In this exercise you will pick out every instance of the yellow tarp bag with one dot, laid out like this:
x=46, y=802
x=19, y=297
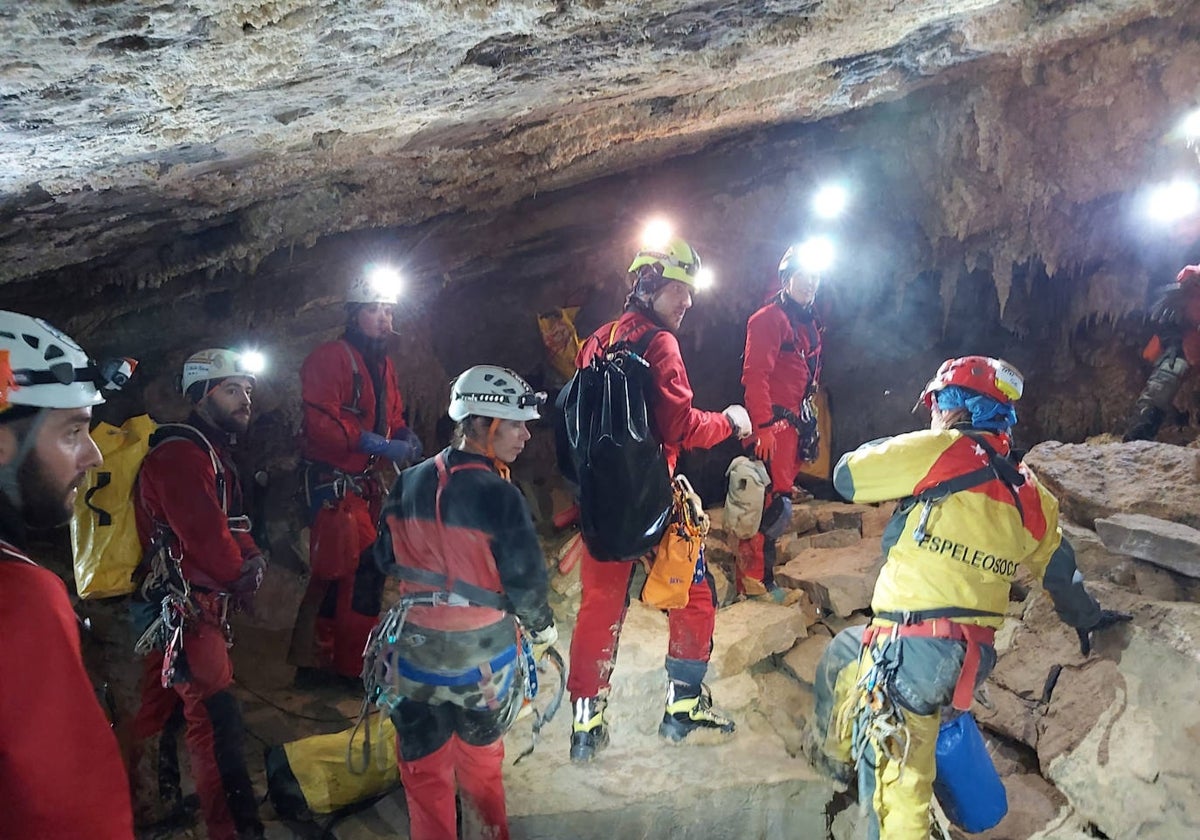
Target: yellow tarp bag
x=820, y=468
x=312, y=773
x=104, y=537
x=560, y=338
x=675, y=559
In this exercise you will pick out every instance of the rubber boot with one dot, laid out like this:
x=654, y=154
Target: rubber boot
x=690, y=715
x=1144, y=423
x=1158, y=396
x=589, y=732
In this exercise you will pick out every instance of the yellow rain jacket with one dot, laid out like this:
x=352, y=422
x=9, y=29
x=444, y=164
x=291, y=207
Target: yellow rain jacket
x=973, y=540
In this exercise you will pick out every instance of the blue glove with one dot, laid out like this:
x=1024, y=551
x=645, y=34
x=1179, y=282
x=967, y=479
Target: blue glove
x=409, y=436
x=398, y=451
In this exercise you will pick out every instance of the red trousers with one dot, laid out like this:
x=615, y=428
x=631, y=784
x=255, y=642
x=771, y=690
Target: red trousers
x=783, y=468
x=784, y=465
x=602, y=612
x=214, y=731
x=344, y=612
x=751, y=564
x=430, y=784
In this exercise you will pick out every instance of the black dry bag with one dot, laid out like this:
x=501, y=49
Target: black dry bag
x=607, y=448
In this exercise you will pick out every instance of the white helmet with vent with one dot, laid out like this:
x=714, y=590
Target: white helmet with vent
x=493, y=391
x=49, y=370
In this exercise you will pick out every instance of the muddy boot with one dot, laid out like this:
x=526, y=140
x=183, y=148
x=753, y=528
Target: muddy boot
x=689, y=710
x=824, y=763
x=589, y=732
x=1144, y=423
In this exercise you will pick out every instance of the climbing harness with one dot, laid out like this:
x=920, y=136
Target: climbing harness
x=164, y=584
x=870, y=717
x=383, y=666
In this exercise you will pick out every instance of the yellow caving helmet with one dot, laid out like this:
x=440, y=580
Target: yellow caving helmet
x=676, y=261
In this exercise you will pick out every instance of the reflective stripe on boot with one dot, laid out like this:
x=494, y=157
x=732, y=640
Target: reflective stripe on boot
x=589, y=732
x=691, y=716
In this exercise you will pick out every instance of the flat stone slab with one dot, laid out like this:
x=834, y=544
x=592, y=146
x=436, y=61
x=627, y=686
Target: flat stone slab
x=1093, y=481
x=750, y=631
x=1168, y=544
x=839, y=580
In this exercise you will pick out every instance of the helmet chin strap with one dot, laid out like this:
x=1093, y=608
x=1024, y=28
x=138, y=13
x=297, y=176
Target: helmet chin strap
x=10, y=484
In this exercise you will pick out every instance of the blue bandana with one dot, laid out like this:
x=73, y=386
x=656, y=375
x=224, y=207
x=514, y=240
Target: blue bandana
x=986, y=412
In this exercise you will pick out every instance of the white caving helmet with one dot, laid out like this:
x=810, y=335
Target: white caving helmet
x=493, y=391
x=376, y=284
x=41, y=368
x=207, y=367
x=49, y=370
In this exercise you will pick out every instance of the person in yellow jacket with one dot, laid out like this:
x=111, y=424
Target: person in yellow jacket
x=969, y=515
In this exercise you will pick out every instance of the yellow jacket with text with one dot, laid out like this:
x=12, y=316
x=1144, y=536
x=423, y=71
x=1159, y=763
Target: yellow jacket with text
x=972, y=541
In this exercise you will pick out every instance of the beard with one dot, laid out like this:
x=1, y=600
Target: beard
x=232, y=422
x=44, y=503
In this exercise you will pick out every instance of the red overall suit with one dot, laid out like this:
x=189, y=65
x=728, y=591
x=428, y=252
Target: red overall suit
x=339, y=389
x=459, y=527
x=781, y=366
x=678, y=425
x=60, y=772
x=177, y=489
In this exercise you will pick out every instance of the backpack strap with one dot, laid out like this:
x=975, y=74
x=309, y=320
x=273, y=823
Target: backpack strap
x=638, y=347
x=183, y=431
x=998, y=467
x=355, y=378
x=8, y=551
x=444, y=472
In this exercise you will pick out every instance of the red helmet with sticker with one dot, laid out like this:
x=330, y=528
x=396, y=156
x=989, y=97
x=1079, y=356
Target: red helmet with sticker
x=994, y=378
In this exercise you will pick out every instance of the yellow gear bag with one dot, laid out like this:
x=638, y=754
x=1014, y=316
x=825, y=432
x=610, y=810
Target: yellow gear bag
x=678, y=553
x=560, y=338
x=104, y=539
x=313, y=773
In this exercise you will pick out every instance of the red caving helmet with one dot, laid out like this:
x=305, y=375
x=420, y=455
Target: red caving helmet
x=994, y=378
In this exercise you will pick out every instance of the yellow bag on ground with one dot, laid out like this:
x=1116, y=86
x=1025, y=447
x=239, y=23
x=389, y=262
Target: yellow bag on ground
x=679, y=552
x=104, y=537
x=312, y=773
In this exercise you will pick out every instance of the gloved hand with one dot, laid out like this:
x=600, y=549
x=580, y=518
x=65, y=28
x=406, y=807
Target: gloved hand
x=764, y=444
x=410, y=437
x=1107, y=619
x=1169, y=305
x=739, y=420
x=246, y=586
x=543, y=640
x=398, y=451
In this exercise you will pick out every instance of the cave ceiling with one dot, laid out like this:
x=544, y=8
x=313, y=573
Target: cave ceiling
x=144, y=141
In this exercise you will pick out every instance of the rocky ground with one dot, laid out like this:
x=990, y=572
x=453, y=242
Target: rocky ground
x=1095, y=747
